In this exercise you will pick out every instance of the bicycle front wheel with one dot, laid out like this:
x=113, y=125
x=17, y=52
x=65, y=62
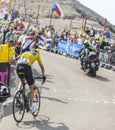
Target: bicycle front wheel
x=36, y=101
x=18, y=106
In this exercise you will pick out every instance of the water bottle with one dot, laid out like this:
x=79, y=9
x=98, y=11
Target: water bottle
x=27, y=98
x=28, y=95
x=35, y=90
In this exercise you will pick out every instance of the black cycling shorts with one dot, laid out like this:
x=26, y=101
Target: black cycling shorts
x=25, y=71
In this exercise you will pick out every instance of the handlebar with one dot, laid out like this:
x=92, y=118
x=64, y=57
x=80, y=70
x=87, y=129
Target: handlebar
x=43, y=79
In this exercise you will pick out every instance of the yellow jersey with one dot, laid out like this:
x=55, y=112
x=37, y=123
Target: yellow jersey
x=6, y=53
x=29, y=57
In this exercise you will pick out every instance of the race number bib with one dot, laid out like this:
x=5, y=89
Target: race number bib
x=23, y=60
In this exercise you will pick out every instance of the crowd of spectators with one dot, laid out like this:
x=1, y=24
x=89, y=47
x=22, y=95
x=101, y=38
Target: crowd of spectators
x=18, y=31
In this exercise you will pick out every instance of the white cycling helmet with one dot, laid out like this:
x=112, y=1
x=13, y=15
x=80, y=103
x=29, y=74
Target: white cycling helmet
x=4, y=92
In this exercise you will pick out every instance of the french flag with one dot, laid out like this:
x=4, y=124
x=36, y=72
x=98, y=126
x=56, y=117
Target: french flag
x=58, y=10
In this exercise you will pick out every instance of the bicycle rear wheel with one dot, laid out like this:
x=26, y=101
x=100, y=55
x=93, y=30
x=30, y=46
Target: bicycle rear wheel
x=36, y=101
x=18, y=106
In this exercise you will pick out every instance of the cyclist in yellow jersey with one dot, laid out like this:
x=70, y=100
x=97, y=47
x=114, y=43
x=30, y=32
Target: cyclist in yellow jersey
x=24, y=70
x=29, y=57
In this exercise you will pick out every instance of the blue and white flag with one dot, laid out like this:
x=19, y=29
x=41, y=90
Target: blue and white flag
x=45, y=43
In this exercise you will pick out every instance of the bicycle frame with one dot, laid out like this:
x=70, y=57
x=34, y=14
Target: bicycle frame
x=20, y=102
x=24, y=94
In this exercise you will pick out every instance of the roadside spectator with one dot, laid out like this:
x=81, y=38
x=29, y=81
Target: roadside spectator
x=81, y=32
x=104, y=43
x=92, y=32
x=16, y=37
x=6, y=30
x=6, y=17
x=74, y=38
x=80, y=39
x=17, y=48
x=28, y=27
x=9, y=35
x=87, y=31
x=22, y=37
x=107, y=34
x=56, y=39
x=64, y=34
x=20, y=26
x=87, y=39
x=7, y=53
x=35, y=28
x=92, y=41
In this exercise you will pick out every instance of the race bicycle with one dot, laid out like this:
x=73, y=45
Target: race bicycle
x=21, y=101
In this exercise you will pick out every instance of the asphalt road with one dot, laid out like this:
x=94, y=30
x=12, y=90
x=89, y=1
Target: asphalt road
x=71, y=100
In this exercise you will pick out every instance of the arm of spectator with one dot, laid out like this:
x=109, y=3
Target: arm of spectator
x=31, y=38
x=12, y=61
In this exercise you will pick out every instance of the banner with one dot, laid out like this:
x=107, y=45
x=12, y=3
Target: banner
x=69, y=47
x=6, y=54
x=45, y=43
x=62, y=46
x=5, y=73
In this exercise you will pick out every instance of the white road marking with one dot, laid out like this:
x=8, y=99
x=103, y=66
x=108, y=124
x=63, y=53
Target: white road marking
x=54, y=89
x=92, y=101
x=106, y=102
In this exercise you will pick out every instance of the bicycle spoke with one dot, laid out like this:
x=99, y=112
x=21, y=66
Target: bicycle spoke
x=18, y=106
x=36, y=102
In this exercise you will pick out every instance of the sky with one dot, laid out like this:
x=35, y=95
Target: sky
x=105, y=8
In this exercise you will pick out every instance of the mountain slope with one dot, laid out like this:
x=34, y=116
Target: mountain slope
x=71, y=8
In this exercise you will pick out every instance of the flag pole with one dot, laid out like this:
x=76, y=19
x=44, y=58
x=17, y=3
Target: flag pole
x=51, y=18
x=37, y=14
x=18, y=6
x=25, y=8
x=14, y=5
x=84, y=25
x=70, y=25
x=105, y=24
x=9, y=6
